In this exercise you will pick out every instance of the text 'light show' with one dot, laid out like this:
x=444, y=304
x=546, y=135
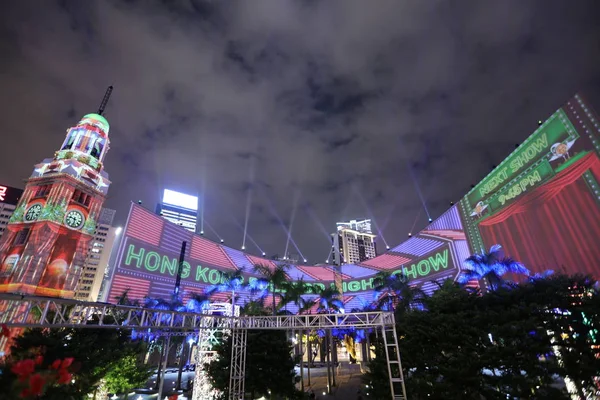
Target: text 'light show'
x=541, y=204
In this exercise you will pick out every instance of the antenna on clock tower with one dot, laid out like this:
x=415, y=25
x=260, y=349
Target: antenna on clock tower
x=105, y=100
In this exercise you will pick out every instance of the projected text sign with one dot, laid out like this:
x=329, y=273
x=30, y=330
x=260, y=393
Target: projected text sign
x=151, y=260
x=556, y=129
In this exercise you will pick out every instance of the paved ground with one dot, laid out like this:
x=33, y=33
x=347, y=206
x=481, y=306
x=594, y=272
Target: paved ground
x=348, y=379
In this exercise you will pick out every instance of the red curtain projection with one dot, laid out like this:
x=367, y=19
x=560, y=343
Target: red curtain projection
x=555, y=226
x=59, y=262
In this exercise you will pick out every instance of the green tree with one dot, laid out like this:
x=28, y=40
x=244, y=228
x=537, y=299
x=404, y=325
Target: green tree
x=126, y=374
x=509, y=343
x=93, y=351
x=571, y=317
x=376, y=378
x=269, y=366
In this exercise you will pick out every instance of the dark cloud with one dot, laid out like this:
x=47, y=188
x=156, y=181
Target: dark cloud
x=300, y=102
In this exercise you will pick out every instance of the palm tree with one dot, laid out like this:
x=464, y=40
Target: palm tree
x=175, y=303
x=397, y=292
x=255, y=307
x=328, y=299
x=276, y=278
x=230, y=282
x=197, y=303
x=491, y=266
x=365, y=306
x=124, y=300
x=293, y=292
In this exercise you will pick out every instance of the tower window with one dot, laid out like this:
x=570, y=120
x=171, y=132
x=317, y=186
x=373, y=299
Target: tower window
x=70, y=141
x=21, y=237
x=42, y=191
x=81, y=198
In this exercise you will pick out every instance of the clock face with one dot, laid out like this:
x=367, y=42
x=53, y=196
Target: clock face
x=74, y=219
x=33, y=213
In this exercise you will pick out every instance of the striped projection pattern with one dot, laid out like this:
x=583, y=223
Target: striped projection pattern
x=148, y=256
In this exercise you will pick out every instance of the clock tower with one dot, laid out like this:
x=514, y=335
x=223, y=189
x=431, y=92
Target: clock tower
x=46, y=241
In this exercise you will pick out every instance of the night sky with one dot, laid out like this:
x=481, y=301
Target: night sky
x=320, y=107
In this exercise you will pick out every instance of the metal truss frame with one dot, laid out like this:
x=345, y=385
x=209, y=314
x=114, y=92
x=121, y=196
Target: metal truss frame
x=207, y=339
x=237, y=367
x=43, y=312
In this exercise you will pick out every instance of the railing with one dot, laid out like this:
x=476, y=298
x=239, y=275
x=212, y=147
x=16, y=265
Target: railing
x=33, y=311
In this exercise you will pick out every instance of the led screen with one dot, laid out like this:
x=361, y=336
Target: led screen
x=542, y=202
x=180, y=199
x=148, y=258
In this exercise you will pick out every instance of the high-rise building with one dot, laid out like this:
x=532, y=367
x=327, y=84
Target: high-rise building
x=353, y=242
x=45, y=244
x=98, y=257
x=362, y=226
x=9, y=198
x=179, y=208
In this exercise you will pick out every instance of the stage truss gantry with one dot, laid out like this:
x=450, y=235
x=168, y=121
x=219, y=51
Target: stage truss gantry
x=41, y=312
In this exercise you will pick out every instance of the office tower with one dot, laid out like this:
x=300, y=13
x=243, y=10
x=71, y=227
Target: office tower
x=179, y=208
x=9, y=197
x=45, y=243
x=99, y=252
x=353, y=242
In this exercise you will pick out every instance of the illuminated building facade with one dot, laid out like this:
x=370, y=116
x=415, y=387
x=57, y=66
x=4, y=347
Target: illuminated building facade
x=179, y=208
x=542, y=204
x=9, y=198
x=98, y=257
x=353, y=242
x=45, y=244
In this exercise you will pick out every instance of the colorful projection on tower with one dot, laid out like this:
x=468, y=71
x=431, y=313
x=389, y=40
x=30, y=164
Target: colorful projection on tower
x=542, y=204
x=45, y=243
